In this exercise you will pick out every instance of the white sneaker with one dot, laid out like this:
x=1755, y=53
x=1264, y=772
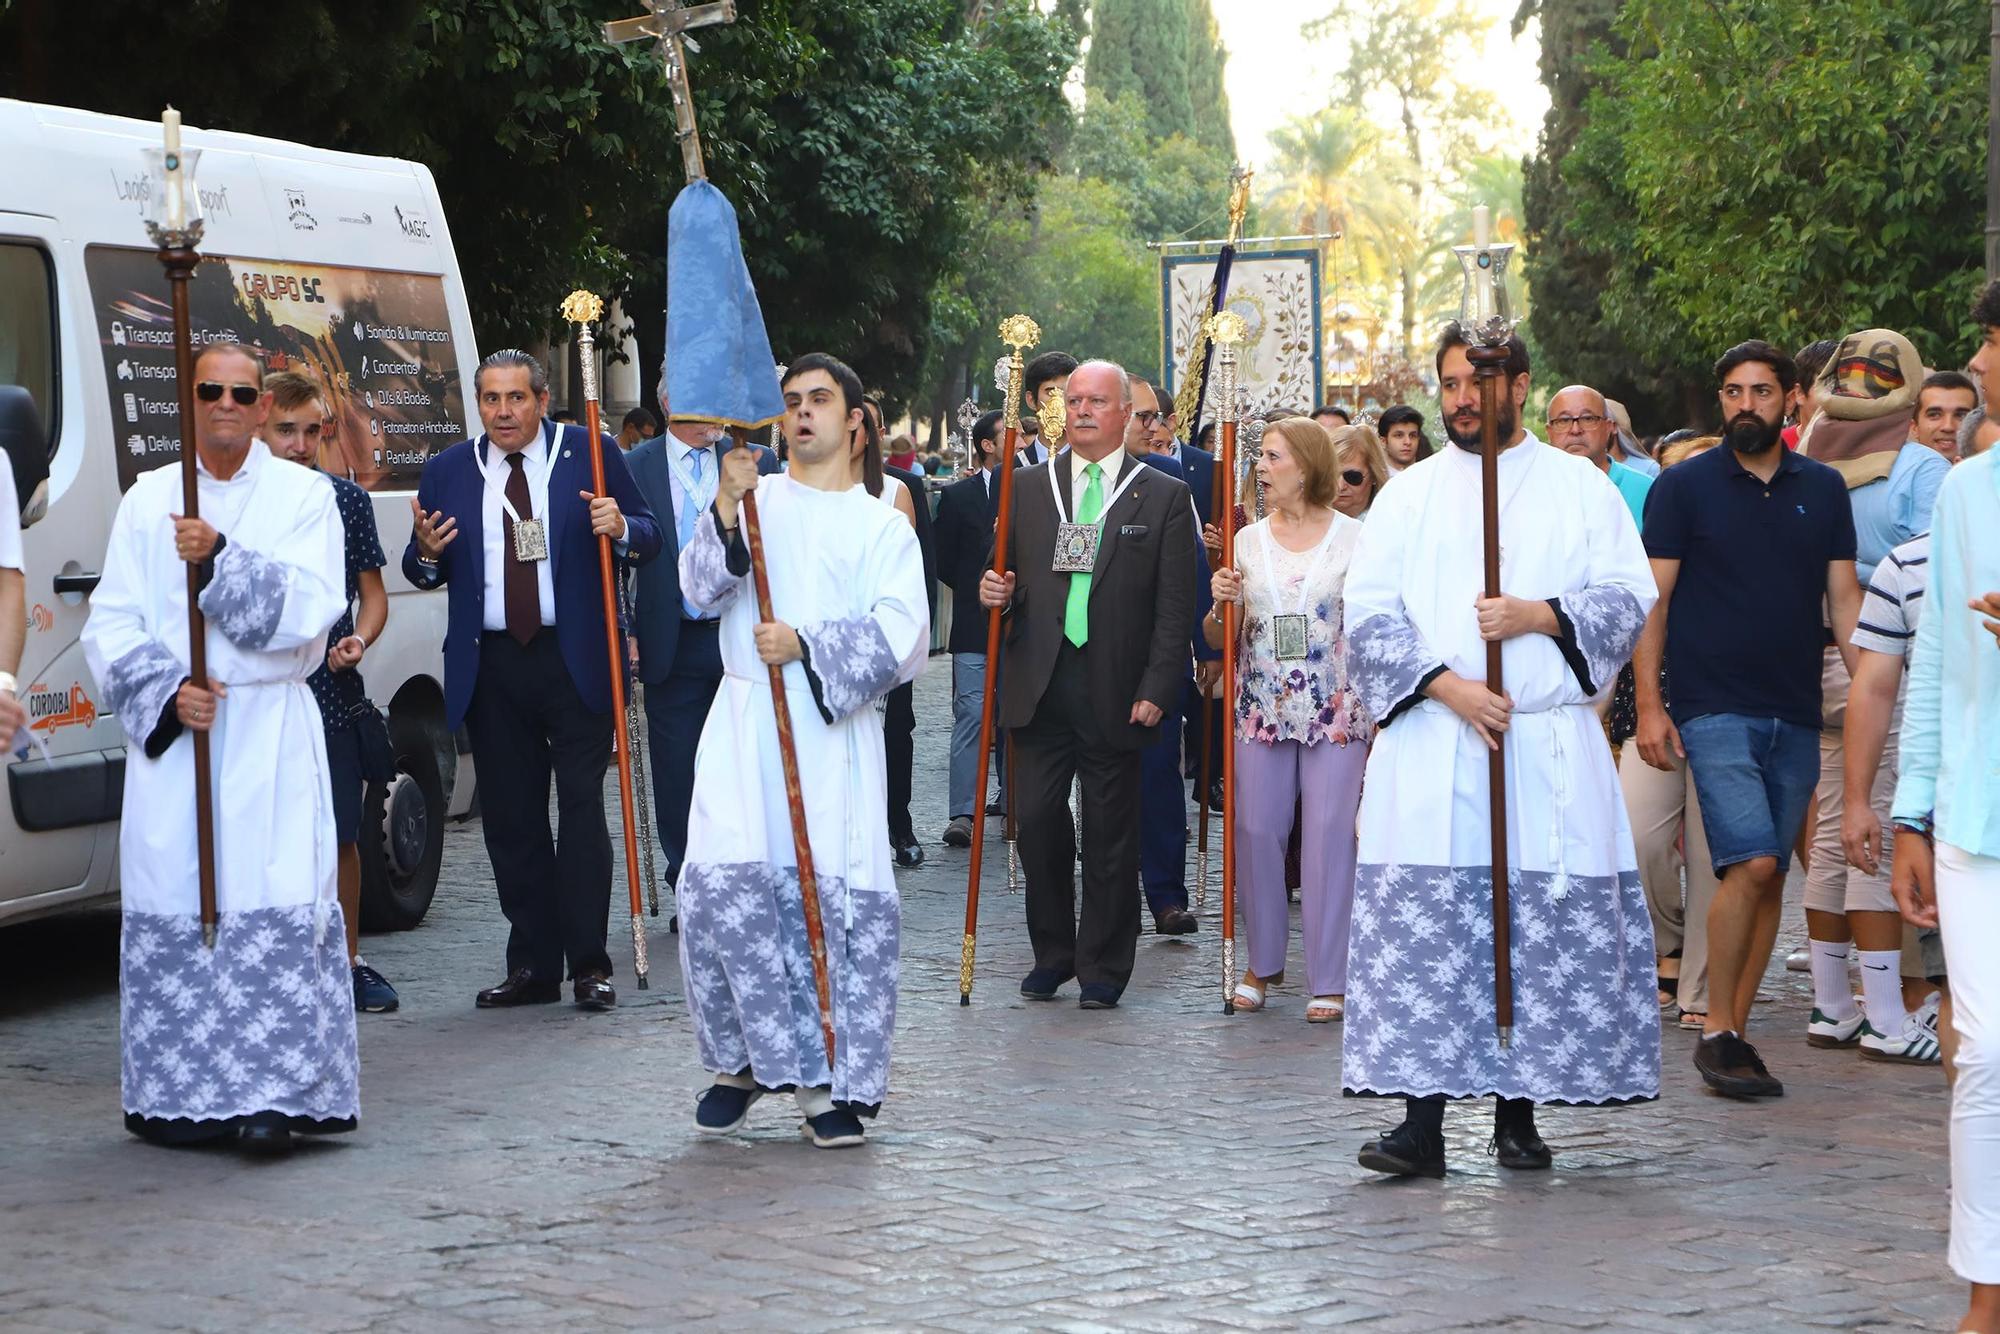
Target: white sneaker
x=1798, y=961
x=1915, y=1044
x=1824, y=1032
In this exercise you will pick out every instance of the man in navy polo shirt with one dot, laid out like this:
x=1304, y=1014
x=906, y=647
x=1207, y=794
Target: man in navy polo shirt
x=1745, y=543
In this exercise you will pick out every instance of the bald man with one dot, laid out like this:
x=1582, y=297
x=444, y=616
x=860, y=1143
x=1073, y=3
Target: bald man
x=1580, y=423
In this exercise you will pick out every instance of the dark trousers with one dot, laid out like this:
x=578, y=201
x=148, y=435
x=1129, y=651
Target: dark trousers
x=676, y=708
x=899, y=739
x=527, y=722
x=1163, y=824
x=1191, y=711
x=1060, y=742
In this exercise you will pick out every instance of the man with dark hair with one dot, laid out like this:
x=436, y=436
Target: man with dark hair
x=1101, y=610
x=1746, y=542
x=1332, y=416
x=526, y=666
x=1586, y=1028
x=899, y=718
x=639, y=424
x=1944, y=402
x=1403, y=442
x=1042, y=373
x=964, y=531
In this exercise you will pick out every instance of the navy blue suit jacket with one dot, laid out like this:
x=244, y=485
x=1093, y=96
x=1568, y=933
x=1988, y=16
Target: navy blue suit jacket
x=1204, y=595
x=658, y=602
x=1198, y=471
x=452, y=483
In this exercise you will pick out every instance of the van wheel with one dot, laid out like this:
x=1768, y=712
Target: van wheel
x=402, y=834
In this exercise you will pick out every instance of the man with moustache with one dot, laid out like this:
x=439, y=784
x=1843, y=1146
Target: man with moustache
x=1420, y=997
x=1100, y=608
x=1746, y=543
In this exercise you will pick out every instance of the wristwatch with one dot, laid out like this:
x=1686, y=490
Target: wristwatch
x=1921, y=825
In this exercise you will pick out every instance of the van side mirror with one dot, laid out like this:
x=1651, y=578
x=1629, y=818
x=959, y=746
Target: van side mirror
x=24, y=441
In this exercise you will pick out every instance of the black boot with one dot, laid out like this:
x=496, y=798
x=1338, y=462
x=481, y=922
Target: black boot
x=1516, y=1143
x=1414, y=1148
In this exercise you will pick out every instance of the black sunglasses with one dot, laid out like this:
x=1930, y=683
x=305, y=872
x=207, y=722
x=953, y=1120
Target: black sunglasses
x=1354, y=477
x=208, y=391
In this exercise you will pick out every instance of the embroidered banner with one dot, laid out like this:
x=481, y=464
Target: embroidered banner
x=1277, y=294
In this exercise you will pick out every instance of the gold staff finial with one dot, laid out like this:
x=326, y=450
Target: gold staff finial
x=1239, y=200
x=1017, y=332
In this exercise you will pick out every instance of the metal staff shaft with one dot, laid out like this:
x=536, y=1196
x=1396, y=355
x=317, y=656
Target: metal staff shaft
x=1490, y=364
x=1227, y=461
x=180, y=262
x=1010, y=829
x=1003, y=519
x=622, y=744
x=635, y=737
x=788, y=755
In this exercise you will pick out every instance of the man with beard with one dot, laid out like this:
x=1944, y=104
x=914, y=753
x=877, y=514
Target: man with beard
x=1420, y=996
x=1746, y=541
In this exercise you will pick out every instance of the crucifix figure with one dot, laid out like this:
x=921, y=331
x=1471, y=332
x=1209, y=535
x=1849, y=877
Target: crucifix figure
x=668, y=23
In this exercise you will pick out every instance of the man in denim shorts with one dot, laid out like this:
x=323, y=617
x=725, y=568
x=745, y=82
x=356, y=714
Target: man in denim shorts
x=1745, y=543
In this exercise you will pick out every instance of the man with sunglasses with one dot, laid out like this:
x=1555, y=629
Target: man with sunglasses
x=251, y=1037
x=298, y=430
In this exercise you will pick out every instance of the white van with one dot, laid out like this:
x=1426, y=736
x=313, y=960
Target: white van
x=332, y=263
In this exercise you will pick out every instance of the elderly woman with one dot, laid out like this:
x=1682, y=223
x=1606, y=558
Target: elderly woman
x=1364, y=468
x=1300, y=732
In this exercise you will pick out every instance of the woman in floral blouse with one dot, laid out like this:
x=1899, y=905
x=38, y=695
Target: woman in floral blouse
x=1300, y=732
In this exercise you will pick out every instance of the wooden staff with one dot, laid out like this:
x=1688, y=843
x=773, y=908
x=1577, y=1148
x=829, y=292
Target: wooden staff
x=1018, y=331
x=1490, y=364
x=1226, y=330
x=581, y=309
x=180, y=262
x=788, y=755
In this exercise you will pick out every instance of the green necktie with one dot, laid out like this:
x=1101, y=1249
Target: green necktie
x=1076, y=613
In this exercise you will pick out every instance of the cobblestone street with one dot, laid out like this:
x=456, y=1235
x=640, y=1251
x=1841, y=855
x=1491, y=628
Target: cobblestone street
x=1158, y=1167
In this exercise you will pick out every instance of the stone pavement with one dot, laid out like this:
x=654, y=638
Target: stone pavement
x=1160, y=1167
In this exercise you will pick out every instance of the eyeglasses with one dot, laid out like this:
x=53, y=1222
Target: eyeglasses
x=208, y=391
x=1353, y=476
x=1145, y=418
x=1562, y=425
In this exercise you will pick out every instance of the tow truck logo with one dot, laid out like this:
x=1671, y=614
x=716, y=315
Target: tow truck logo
x=50, y=709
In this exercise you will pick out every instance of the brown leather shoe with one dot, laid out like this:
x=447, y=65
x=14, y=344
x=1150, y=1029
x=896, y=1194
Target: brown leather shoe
x=595, y=993
x=522, y=987
x=1175, y=922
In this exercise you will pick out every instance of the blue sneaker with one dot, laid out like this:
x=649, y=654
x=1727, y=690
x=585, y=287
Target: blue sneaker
x=837, y=1129
x=372, y=992
x=722, y=1108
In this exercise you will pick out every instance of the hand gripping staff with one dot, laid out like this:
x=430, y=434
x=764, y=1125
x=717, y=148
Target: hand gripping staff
x=1226, y=330
x=1018, y=332
x=582, y=309
x=788, y=754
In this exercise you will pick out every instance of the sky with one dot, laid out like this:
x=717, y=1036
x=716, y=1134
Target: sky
x=1273, y=74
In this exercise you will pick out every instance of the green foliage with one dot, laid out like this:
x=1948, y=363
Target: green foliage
x=1785, y=169
x=1166, y=54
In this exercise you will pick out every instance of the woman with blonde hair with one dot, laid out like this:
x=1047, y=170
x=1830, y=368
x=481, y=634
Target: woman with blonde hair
x=1300, y=731
x=1364, y=469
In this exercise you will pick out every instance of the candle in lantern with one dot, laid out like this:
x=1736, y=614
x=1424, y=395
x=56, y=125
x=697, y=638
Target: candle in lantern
x=1482, y=219
x=176, y=201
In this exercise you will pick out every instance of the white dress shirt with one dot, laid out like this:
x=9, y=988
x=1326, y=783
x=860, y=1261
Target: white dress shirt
x=1079, y=480
x=535, y=463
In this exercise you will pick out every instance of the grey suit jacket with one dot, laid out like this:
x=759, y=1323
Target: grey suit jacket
x=1142, y=603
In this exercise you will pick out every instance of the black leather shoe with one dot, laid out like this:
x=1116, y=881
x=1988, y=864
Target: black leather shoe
x=911, y=854
x=1521, y=1148
x=595, y=993
x=996, y=808
x=522, y=987
x=266, y=1135
x=1042, y=983
x=1175, y=922
x=1097, y=996
x=1405, y=1152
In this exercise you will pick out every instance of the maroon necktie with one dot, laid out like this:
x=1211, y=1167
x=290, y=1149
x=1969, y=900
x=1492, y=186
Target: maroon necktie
x=522, y=589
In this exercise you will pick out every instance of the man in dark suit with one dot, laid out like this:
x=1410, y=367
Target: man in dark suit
x=966, y=513
x=525, y=663
x=1100, y=613
x=899, y=714
x=1043, y=372
x=1163, y=820
x=680, y=656
x=1198, y=468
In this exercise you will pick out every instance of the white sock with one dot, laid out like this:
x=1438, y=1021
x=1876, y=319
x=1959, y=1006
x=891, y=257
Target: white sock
x=813, y=1102
x=1882, y=990
x=1833, y=996
x=735, y=1081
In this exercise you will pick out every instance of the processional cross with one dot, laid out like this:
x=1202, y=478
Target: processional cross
x=668, y=24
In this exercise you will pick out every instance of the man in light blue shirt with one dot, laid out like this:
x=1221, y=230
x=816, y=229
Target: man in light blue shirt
x=1890, y=511
x=1580, y=423
x=1947, y=820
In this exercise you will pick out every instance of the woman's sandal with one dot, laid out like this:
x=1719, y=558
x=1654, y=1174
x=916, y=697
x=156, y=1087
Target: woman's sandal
x=1326, y=1010
x=1691, y=1020
x=1250, y=996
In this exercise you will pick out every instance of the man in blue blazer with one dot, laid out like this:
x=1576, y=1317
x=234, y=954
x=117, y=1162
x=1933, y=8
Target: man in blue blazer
x=1198, y=469
x=508, y=525
x=680, y=656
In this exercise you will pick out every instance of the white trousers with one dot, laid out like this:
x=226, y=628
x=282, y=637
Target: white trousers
x=1968, y=894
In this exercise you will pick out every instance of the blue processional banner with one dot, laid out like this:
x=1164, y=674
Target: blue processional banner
x=1277, y=294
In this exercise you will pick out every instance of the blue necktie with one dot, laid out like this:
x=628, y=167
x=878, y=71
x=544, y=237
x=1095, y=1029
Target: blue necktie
x=689, y=516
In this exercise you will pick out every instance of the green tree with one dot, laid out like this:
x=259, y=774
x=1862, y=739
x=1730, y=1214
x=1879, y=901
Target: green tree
x=1842, y=185
x=1169, y=55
